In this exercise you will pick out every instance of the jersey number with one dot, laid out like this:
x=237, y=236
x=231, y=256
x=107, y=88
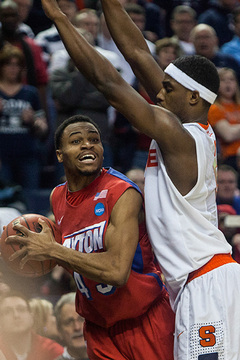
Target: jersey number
x=101, y=288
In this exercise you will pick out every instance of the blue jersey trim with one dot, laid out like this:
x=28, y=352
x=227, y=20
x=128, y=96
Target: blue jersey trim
x=160, y=283
x=137, y=264
x=123, y=177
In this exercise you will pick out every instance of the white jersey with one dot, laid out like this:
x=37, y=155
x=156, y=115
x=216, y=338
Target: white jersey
x=183, y=229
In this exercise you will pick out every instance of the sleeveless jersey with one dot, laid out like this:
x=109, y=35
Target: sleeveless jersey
x=83, y=224
x=183, y=229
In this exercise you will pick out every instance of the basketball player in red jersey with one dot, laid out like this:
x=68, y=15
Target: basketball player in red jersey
x=105, y=245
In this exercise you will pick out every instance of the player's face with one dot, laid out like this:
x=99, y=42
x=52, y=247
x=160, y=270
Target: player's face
x=15, y=316
x=82, y=150
x=71, y=327
x=173, y=97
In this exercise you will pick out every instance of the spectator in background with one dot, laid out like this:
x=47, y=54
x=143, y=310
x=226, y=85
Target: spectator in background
x=36, y=74
x=233, y=46
x=49, y=39
x=224, y=116
x=183, y=20
x=167, y=50
x=105, y=41
x=231, y=229
x=219, y=16
x=155, y=18
x=227, y=190
x=70, y=326
x=205, y=41
x=88, y=19
x=17, y=338
x=44, y=319
x=24, y=7
x=168, y=6
x=137, y=176
x=22, y=123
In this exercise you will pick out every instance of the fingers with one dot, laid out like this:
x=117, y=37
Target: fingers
x=19, y=253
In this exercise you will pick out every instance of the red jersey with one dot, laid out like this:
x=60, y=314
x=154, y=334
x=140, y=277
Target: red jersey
x=83, y=224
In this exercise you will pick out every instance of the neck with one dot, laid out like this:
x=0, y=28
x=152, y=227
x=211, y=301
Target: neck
x=22, y=344
x=80, y=181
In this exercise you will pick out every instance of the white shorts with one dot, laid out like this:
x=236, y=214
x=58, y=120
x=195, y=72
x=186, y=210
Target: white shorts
x=208, y=316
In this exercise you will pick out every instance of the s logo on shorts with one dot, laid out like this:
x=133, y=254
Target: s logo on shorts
x=99, y=209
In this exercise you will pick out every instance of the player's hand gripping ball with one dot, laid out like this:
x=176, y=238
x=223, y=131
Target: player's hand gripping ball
x=32, y=268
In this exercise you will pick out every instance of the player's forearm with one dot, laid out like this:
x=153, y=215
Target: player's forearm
x=133, y=46
x=100, y=267
x=124, y=32
x=96, y=68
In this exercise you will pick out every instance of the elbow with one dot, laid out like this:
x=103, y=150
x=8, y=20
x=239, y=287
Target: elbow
x=119, y=278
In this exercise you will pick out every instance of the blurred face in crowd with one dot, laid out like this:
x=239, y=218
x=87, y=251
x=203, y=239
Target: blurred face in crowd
x=71, y=329
x=205, y=41
x=182, y=25
x=89, y=22
x=9, y=18
x=24, y=7
x=138, y=19
x=228, y=84
x=69, y=8
x=15, y=317
x=227, y=185
x=166, y=55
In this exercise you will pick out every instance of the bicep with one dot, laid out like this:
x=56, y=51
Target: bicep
x=122, y=235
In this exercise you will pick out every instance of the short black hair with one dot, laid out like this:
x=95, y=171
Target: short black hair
x=200, y=69
x=72, y=120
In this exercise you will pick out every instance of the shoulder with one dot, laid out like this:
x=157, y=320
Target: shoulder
x=117, y=179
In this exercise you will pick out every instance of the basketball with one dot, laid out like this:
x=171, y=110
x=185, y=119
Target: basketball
x=32, y=268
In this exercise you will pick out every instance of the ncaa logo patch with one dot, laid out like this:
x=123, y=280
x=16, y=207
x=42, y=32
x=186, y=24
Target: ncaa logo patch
x=99, y=209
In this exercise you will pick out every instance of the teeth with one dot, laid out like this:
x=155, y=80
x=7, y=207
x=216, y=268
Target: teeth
x=88, y=156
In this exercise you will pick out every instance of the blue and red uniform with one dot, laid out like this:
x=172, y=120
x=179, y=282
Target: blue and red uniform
x=83, y=218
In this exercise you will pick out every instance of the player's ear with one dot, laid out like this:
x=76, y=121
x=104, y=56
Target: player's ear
x=194, y=98
x=59, y=156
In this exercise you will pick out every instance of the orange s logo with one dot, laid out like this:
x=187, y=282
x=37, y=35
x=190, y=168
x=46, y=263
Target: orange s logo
x=207, y=336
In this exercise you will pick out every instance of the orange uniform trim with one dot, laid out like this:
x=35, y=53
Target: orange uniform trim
x=216, y=261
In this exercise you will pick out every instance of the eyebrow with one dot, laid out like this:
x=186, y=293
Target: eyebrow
x=79, y=132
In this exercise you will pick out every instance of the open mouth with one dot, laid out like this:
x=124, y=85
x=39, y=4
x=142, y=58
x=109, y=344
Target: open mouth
x=87, y=158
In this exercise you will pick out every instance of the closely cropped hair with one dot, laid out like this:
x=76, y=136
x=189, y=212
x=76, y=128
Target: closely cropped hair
x=200, y=69
x=72, y=120
x=135, y=9
x=183, y=9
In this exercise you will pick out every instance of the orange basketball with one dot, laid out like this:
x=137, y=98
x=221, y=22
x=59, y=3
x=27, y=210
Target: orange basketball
x=32, y=268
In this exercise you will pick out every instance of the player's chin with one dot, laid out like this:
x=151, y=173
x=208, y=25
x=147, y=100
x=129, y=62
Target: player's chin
x=90, y=170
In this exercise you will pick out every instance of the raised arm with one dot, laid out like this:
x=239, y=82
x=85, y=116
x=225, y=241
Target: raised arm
x=133, y=46
x=100, y=72
x=154, y=121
